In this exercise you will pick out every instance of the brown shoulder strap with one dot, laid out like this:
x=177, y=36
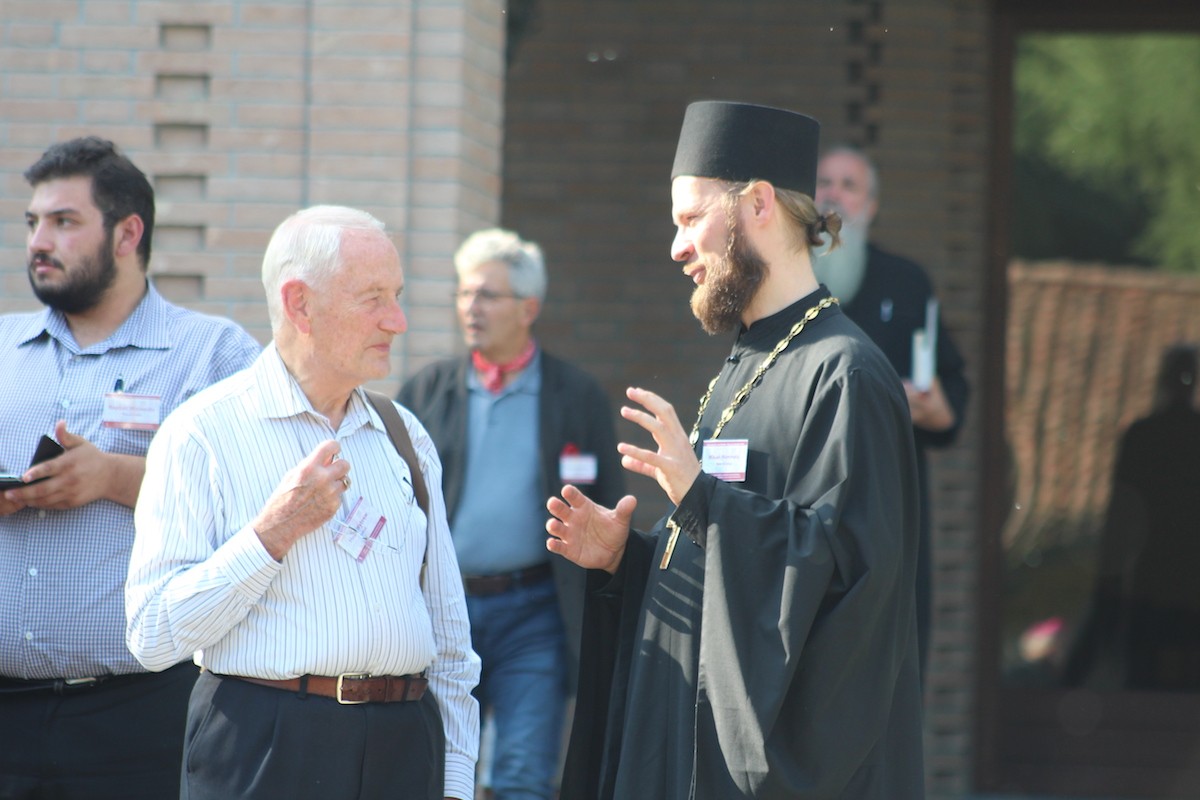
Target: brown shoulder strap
x=403, y=444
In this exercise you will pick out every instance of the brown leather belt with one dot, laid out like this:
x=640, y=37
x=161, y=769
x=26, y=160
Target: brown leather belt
x=504, y=581
x=351, y=688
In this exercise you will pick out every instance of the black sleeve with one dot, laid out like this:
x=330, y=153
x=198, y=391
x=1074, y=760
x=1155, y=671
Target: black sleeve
x=610, y=618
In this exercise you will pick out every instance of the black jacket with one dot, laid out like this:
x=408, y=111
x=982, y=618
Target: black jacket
x=573, y=410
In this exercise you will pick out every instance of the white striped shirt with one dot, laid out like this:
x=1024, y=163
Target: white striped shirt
x=201, y=580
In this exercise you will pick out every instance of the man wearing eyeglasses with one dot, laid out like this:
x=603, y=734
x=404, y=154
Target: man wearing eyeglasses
x=513, y=424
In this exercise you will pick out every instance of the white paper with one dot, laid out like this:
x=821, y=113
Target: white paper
x=924, y=349
x=922, y=361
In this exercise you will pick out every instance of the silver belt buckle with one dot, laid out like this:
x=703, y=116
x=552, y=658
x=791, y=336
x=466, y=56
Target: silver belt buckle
x=80, y=682
x=354, y=676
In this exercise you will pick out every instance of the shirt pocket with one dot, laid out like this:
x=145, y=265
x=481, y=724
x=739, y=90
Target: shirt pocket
x=124, y=441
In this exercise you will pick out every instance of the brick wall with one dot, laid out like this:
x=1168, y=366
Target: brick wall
x=242, y=112
x=596, y=91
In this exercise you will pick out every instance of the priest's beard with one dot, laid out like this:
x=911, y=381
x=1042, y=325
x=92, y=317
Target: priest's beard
x=730, y=283
x=843, y=269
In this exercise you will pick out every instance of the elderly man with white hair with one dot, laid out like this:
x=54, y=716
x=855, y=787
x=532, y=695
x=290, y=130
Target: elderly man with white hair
x=284, y=538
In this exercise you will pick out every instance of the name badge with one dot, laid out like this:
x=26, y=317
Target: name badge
x=359, y=531
x=577, y=468
x=138, y=412
x=725, y=459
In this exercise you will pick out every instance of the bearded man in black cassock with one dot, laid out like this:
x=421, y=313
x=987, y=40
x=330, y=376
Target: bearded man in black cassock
x=760, y=642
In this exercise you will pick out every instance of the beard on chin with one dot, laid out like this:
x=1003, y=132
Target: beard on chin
x=842, y=269
x=730, y=283
x=83, y=286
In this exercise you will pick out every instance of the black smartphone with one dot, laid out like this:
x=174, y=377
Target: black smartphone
x=46, y=449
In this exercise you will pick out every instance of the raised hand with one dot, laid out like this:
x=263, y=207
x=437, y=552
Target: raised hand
x=674, y=465
x=586, y=533
x=306, y=498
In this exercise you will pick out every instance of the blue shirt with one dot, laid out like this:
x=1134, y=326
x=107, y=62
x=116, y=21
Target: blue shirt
x=499, y=525
x=62, y=573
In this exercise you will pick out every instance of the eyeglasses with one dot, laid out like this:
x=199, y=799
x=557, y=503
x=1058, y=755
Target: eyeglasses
x=467, y=296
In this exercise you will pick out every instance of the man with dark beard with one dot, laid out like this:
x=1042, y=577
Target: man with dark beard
x=888, y=297
x=760, y=641
x=97, y=370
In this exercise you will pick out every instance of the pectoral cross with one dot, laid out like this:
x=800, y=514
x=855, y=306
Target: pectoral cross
x=666, y=559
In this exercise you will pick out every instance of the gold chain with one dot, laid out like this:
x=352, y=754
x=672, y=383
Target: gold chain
x=768, y=362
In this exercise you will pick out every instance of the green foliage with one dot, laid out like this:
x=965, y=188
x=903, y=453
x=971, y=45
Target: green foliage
x=1115, y=118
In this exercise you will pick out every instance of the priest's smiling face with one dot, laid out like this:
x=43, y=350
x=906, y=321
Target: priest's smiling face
x=711, y=243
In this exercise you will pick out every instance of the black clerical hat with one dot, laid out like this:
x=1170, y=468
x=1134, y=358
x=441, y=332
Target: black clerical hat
x=743, y=142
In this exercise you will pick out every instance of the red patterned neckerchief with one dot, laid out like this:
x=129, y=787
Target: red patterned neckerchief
x=492, y=374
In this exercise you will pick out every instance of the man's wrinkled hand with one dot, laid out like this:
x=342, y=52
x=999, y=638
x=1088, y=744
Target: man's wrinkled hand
x=306, y=498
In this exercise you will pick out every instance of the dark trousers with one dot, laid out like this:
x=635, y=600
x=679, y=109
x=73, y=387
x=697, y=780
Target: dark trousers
x=119, y=740
x=260, y=743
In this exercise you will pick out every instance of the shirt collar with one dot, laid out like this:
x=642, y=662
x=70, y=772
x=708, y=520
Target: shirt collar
x=145, y=328
x=765, y=333
x=282, y=398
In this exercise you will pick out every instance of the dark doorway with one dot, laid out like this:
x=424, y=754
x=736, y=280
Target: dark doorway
x=1090, y=643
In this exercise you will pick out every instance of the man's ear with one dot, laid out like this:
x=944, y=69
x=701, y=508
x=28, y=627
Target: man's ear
x=761, y=197
x=127, y=235
x=295, y=298
x=531, y=307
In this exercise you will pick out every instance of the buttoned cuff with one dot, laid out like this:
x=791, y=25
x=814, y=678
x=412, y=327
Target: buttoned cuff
x=460, y=777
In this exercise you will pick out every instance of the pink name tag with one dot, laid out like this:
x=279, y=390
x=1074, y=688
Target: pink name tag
x=139, y=412
x=359, y=531
x=725, y=459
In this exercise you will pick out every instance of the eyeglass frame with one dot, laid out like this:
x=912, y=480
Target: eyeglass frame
x=483, y=295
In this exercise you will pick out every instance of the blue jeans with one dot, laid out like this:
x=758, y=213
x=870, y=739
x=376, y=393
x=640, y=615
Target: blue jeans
x=519, y=637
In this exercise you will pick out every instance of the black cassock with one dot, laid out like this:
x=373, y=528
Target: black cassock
x=776, y=656
x=889, y=307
